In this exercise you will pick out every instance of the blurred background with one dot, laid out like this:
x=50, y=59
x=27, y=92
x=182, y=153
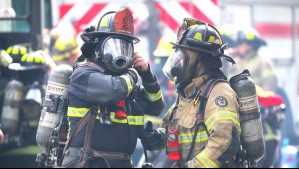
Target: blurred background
x=54, y=26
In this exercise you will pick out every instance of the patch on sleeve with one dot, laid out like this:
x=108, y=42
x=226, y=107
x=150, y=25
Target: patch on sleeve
x=221, y=101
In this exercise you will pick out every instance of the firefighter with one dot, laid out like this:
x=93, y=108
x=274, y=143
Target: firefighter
x=272, y=109
x=248, y=43
x=210, y=138
x=63, y=46
x=245, y=43
x=21, y=110
x=104, y=89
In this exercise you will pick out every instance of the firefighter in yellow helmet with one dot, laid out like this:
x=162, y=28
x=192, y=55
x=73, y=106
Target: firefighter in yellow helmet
x=63, y=46
x=19, y=120
x=201, y=133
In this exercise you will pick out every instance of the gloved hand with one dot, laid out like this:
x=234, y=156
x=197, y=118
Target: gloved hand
x=152, y=139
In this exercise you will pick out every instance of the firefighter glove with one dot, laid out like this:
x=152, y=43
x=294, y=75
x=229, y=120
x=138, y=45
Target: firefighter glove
x=152, y=139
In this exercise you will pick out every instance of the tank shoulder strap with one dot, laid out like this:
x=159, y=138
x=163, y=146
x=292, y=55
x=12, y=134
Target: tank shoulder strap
x=89, y=121
x=203, y=95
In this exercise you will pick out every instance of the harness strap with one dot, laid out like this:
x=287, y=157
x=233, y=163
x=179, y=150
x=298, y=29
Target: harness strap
x=88, y=119
x=87, y=142
x=205, y=91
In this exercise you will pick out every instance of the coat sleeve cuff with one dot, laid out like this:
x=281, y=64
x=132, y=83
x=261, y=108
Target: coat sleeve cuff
x=147, y=76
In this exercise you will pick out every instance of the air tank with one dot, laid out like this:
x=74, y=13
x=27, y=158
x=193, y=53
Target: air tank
x=250, y=117
x=10, y=119
x=52, y=113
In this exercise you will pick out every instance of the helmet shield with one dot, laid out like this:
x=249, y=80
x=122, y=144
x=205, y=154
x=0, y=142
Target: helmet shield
x=117, y=53
x=174, y=65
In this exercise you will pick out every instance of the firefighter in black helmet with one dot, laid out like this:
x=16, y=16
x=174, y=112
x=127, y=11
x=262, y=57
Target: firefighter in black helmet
x=19, y=120
x=106, y=105
x=202, y=127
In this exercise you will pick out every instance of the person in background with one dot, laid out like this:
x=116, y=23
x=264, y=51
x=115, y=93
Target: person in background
x=247, y=46
x=19, y=120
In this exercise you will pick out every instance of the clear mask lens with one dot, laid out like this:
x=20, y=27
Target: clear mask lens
x=118, y=53
x=118, y=47
x=173, y=67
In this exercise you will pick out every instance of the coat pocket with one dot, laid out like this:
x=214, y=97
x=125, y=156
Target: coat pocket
x=186, y=113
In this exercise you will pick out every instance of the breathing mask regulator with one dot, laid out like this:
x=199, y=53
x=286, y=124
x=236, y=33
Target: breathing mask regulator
x=115, y=53
x=113, y=40
x=203, y=38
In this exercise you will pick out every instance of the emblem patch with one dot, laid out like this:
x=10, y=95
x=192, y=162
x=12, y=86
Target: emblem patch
x=221, y=101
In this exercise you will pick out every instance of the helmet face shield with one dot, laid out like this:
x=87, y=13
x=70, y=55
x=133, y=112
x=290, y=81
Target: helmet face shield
x=117, y=53
x=174, y=65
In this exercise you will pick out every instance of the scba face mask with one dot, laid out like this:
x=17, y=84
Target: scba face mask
x=117, y=53
x=174, y=65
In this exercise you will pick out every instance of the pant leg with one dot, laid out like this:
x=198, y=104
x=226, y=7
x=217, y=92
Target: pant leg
x=70, y=161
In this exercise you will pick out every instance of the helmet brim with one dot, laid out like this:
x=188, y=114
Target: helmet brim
x=19, y=67
x=91, y=36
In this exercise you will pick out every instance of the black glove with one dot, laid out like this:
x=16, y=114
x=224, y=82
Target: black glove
x=152, y=139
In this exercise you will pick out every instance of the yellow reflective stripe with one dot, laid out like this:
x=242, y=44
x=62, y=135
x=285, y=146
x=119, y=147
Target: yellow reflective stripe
x=113, y=119
x=153, y=96
x=129, y=84
x=206, y=161
x=202, y=161
x=24, y=151
x=136, y=120
x=155, y=120
x=209, y=160
x=131, y=120
x=198, y=36
x=268, y=73
x=187, y=138
x=222, y=115
x=269, y=135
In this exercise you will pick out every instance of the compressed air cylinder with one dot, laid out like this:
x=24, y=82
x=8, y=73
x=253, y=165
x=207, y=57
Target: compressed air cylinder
x=11, y=107
x=251, y=125
x=49, y=120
